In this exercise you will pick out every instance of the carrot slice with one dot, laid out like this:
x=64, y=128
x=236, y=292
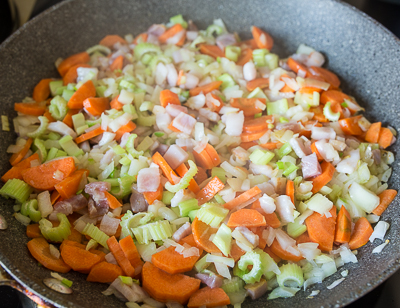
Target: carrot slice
x=256, y=125
x=262, y=38
x=42, y=90
x=212, y=51
x=201, y=175
x=201, y=234
x=47, y=114
x=66, y=64
x=203, y=159
x=115, y=104
x=303, y=238
x=248, y=137
x=85, y=91
x=271, y=145
x=151, y=196
x=104, y=272
x=120, y=256
x=40, y=250
x=290, y=190
x=206, y=88
x=277, y=249
x=245, y=56
x=248, y=105
x=257, y=83
x=246, y=217
x=315, y=150
x=68, y=118
x=214, y=107
x=169, y=97
x=89, y=135
x=69, y=186
x=131, y=252
x=333, y=96
x=35, y=109
x=213, y=155
x=110, y=40
x=325, y=74
x=385, y=197
x=181, y=171
x=16, y=171
x=117, y=63
x=297, y=66
x=321, y=229
x=309, y=90
x=17, y=157
x=350, y=126
x=191, y=242
x=54, y=197
x=127, y=128
x=166, y=169
x=96, y=105
x=173, y=262
x=321, y=180
x=165, y=287
x=373, y=132
x=244, y=197
x=248, y=145
x=361, y=233
x=79, y=259
x=318, y=114
x=385, y=137
x=72, y=73
x=171, y=32
x=268, y=250
x=207, y=297
x=141, y=38
x=210, y=190
x=42, y=176
x=236, y=252
x=343, y=226
x=33, y=231
x=272, y=219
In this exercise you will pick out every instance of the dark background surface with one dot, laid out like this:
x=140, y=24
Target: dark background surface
x=386, y=12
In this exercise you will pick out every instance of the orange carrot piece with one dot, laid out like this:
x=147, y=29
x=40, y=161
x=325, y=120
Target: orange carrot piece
x=151, y=196
x=115, y=104
x=16, y=171
x=49, y=117
x=67, y=63
x=169, y=97
x=208, y=191
x=42, y=176
x=165, y=287
x=321, y=229
x=112, y=201
x=248, y=105
x=166, y=169
x=89, y=135
x=203, y=159
x=68, y=118
x=173, y=262
x=213, y=154
x=361, y=233
x=71, y=75
x=248, y=145
x=277, y=249
x=33, y=231
x=75, y=235
x=262, y=38
x=191, y=242
x=104, y=272
x=120, y=256
x=271, y=145
x=251, y=43
x=127, y=128
x=257, y=83
x=173, y=128
x=236, y=252
x=290, y=190
x=244, y=197
x=85, y=91
x=325, y=74
x=321, y=180
x=141, y=38
x=117, y=63
x=96, y=105
x=309, y=90
x=212, y=51
x=385, y=197
x=318, y=114
x=17, y=157
x=207, y=297
x=268, y=250
x=315, y=150
x=248, y=137
x=272, y=219
x=303, y=238
x=40, y=250
x=373, y=132
x=245, y=56
x=343, y=226
x=110, y=40
x=181, y=171
x=333, y=96
x=350, y=126
x=201, y=175
x=35, y=109
x=201, y=234
x=171, y=32
x=68, y=187
x=206, y=88
x=42, y=90
x=385, y=137
x=55, y=195
x=297, y=66
x=246, y=217
x=131, y=252
x=79, y=259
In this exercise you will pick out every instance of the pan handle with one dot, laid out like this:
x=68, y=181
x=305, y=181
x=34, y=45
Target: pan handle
x=36, y=301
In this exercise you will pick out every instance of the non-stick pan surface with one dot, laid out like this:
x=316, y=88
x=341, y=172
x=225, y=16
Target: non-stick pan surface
x=364, y=54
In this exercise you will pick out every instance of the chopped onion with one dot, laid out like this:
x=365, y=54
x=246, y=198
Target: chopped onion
x=379, y=231
x=219, y=259
x=54, y=251
x=335, y=283
x=285, y=209
x=249, y=71
x=309, y=250
x=379, y=248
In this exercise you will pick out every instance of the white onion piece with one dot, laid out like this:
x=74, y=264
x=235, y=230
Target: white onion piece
x=309, y=250
x=126, y=97
x=120, y=121
x=172, y=75
x=210, y=115
x=163, y=120
x=284, y=239
x=176, y=38
x=378, y=249
x=249, y=71
x=191, y=81
x=223, y=270
x=234, y=123
x=315, y=58
x=174, y=110
x=267, y=204
x=349, y=164
x=269, y=235
x=54, y=251
x=285, y=209
x=196, y=102
x=224, y=260
x=379, y=231
x=192, y=35
x=319, y=133
x=335, y=283
x=61, y=128
x=106, y=138
x=161, y=73
x=347, y=256
x=44, y=203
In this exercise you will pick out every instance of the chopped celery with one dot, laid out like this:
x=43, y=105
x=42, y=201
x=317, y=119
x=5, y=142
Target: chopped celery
x=232, y=285
x=78, y=120
x=241, y=269
x=99, y=48
x=129, y=221
x=185, y=95
x=287, y=167
x=185, y=180
x=17, y=190
x=223, y=239
x=124, y=84
x=329, y=114
x=91, y=123
x=159, y=134
x=295, y=229
x=212, y=214
x=283, y=292
x=129, y=108
x=39, y=145
x=54, y=85
x=41, y=129
x=277, y=107
x=119, y=150
x=54, y=136
x=24, y=208
x=269, y=265
x=232, y=52
x=284, y=150
x=192, y=214
x=283, y=120
x=96, y=234
x=167, y=196
x=202, y=264
x=70, y=146
x=58, y=108
x=319, y=203
x=67, y=94
x=291, y=276
x=272, y=61
x=51, y=154
x=220, y=173
x=61, y=154
x=126, y=280
x=178, y=19
x=55, y=234
x=188, y=205
x=155, y=231
x=211, y=29
x=67, y=282
x=60, y=90
x=219, y=199
x=146, y=143
x=257, y=92
x=261, y=157
x=32, y=210
x=145, y=48
x=160, y=58
x=227, y=81
x=125, y=183
x=259, y=57
x=146, y=120
x=130, y=146
x=91, y=244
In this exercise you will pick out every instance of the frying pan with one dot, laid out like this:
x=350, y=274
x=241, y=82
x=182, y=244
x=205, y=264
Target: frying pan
x=364, y=54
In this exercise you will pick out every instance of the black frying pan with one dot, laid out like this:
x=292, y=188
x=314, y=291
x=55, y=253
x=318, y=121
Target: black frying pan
x=364, y=54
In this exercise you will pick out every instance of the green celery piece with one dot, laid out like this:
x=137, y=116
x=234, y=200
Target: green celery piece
x=206, y=58
x=55, y=234
x=96, y=234
x=119, y=150
x=126, y=280
x=211, y=29
x=289, y=169
x=178, y=19
x=160, y=58
x=33, y=212
x=250, y=258
x=185, y=180
x=188, y=205
x=259, y=57
x=295, y=229
x=219, y=199
x=291, y=276
x=125, y=161
x=145, y=48
x=67, y=94
x=41, y=129
x=129, y=108
x=268, y=264
x=16, y=189
x=146, y=143
x=155, y=231
x=60, y=90
x=329, y=114
x=91, y=244
x=185, y=95
x=167, y=196
x=24, y=208
x=124, y=84
x=70, y=146
x=257, y=92
x=71, y=86
x=99, y=91
x=212, y=214
x=40, y=147
x=51, y=154
x=223, y=239
x=283, y=120
x=146, y=120
x=202, y=264
x=58, y=108
x=192, y=214
x=67, y=282
x=113, y=182
x=54, y=85
x=61, y=154
x=146, y=59
x=232, y=52
x=277, y=107
x=54, y=136
x=227, y=81
x=233, y=285
x=130, y=146
x=91, y=123
x=271, y=60
x=78, y=120
x=284, y=150
x=261, y=157
x=220, y=173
